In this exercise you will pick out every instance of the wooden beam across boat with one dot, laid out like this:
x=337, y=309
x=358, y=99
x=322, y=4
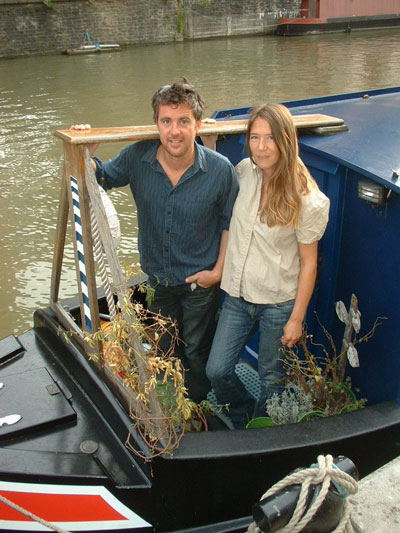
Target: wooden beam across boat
x=220, y=127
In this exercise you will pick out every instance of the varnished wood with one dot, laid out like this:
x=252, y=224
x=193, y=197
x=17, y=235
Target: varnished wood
x=59, y=244
x=74, y=166
x=140, y=133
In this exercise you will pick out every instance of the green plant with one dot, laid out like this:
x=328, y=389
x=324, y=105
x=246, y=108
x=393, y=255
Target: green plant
x=181, y=16
x=49, y=4
x=290, y=406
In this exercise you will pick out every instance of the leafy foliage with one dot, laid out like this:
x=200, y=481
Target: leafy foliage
x=290, y=406
x=181, y=16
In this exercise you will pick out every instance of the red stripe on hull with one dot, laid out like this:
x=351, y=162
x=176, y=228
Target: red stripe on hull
x=58, y=507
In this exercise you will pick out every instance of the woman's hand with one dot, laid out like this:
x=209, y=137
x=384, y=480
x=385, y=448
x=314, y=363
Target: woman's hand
x=292, y=332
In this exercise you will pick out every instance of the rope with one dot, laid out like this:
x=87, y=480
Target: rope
x=325, y=474
x=31, y=515
x=99, y=253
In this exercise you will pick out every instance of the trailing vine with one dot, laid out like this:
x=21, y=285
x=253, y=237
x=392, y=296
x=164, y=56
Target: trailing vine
x=164, y=374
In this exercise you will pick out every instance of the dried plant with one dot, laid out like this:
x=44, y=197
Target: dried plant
x=321, y=378
x=131, y=349
x=318, y=377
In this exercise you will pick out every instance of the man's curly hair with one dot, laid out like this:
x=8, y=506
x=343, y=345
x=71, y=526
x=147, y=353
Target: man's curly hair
x=181, y=92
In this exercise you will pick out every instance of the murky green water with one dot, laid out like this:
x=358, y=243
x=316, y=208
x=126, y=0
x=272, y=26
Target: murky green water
x=39, y=95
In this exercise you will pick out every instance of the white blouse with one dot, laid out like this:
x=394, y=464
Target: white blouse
x=262, y=263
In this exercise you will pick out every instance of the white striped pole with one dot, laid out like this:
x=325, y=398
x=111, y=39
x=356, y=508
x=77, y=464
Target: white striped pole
x=81, y=253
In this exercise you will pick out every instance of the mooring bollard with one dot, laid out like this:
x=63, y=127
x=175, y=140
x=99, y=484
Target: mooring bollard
x=275, y=511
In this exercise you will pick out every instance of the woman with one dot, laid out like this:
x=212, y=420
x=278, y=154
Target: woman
x=271, y=260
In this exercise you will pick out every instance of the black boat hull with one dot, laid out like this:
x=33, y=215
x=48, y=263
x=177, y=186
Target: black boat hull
x=212, y=479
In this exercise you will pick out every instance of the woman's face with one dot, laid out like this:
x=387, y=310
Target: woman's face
x=264, y=150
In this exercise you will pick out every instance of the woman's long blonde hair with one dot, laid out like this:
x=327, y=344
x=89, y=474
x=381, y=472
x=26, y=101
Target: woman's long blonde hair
x=291, y=180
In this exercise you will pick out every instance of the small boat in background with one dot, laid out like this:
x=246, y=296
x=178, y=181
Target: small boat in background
x=90, y=47
x=93, y=49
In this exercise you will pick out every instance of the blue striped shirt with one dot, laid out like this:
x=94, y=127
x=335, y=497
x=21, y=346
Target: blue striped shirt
x=179, y=227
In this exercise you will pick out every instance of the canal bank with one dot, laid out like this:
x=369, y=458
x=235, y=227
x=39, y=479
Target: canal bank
x=376, y=506
x=29, y=27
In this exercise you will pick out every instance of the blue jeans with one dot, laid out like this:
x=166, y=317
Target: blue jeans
x=195, y=313
x=238, y=321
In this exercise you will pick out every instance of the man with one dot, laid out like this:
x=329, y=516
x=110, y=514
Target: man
x=184, y=194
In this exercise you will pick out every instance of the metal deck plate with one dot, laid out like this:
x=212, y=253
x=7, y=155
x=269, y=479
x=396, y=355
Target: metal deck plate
x=249, y=377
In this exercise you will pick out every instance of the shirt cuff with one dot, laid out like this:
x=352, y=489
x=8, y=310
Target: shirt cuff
x=100, y=177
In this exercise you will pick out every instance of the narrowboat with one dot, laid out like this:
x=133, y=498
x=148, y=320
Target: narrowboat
x=64, y=458
x=324, y=16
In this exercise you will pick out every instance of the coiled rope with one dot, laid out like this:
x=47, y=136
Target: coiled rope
x=325, y=474
x=31, y=515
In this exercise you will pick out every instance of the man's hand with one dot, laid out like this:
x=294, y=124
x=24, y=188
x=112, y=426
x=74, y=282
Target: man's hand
x=205, y=278
x=210, y=141
x=82, y=127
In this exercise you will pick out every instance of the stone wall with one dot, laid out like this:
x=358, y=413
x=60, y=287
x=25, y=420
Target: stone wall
x=215, y=18
x=50, y=26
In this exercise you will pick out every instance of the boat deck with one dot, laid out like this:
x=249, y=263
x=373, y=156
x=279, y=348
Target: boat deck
x=361, y=148
x=58, y=419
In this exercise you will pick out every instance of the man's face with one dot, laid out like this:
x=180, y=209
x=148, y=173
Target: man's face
x=178, y=129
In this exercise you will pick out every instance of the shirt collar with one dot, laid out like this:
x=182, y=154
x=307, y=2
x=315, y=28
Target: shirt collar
x=200, y=160
x=256, y=169
x=150, y=155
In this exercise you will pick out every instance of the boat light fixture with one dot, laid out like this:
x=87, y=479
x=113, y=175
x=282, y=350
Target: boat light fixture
x=372, y=192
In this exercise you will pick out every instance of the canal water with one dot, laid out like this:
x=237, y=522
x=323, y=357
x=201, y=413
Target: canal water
x=39, y=95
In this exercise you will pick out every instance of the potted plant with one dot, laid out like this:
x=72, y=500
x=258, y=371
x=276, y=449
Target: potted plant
x=315, y=385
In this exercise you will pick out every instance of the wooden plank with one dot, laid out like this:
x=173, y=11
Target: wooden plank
x=221, y=127
x=74, y=166
x=327, y=130
x=59, y=246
